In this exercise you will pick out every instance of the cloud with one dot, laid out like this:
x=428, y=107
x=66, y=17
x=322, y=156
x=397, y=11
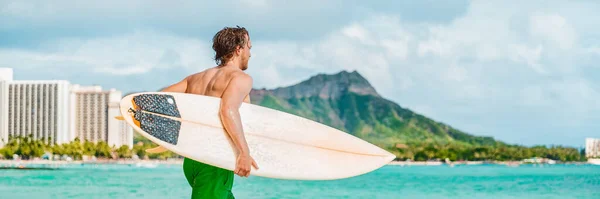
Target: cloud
x=185, y=18
x=553, y=28
x=256, y=3
x=353, y=47
x=270, y=20
x=529, y=56
x=135, y=53
x=594, y=50
x=493, y=64
x=489, y=67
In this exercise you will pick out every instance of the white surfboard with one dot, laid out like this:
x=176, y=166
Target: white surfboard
x=283, y=145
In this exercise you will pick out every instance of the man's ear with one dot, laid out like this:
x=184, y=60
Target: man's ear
x=238, y=50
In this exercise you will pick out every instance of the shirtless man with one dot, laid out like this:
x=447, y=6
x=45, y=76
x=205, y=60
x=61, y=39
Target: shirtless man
x=228, y=81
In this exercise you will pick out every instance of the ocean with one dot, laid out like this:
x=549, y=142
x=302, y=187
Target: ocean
x=167, y=181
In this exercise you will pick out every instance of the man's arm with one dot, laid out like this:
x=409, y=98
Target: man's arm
x=235, y=93
x=179, y=87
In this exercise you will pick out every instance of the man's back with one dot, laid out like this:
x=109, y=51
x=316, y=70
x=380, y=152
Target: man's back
x=212, y=81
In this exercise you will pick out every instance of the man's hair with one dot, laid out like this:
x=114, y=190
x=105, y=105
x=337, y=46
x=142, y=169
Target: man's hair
x=226, y=41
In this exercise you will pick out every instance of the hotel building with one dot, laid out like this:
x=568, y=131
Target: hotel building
x=57, y=110
x=94, y=111
x=34, y=107
x=592, y=148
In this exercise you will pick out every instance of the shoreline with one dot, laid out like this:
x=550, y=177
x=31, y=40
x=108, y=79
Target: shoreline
x=100, y=161
x=469, y=163
x=55, y=164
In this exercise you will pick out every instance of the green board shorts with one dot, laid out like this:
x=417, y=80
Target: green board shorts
x=208, y=181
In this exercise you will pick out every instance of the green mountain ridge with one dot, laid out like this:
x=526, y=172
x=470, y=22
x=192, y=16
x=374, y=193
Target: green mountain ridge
x=346, y=101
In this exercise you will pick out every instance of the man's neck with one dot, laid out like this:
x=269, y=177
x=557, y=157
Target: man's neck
x=232, y=64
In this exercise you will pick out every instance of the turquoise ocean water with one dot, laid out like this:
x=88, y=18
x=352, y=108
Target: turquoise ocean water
x=167, y=181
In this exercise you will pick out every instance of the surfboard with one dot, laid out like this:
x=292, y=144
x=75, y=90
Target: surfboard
x=284, y=146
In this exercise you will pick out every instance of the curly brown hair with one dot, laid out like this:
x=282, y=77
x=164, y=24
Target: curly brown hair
x=226, y=41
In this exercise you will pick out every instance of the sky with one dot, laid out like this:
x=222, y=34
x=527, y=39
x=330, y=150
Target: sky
x=524, y=72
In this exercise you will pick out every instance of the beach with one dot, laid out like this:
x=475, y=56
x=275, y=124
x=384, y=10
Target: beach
x=56, y=164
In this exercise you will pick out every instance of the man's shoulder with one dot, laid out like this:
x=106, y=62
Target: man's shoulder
x=239, y=75
x=240, y=79
x=208, y=70
x=203, y=72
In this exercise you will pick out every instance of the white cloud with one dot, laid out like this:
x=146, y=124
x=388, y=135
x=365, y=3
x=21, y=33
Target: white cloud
x=277, y=19
x=493, y=60
x=456, y=73
x=364, y=46
x=572, y=101
x=595, y=50
x=486, y=71
x=135, y=53
x=554, y=28
x=359, y=33
x=130, y=70
x=434, y=47
x=529, y=56
x=256, y=3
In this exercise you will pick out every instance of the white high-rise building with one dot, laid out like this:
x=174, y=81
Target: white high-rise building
x=59, y=111
x=40, y=108
x=93, y=113
x=592, y=148
x=6, y=74
x=122, y=133
x=3, y=112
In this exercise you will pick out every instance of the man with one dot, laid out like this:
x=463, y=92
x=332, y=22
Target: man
x=228, y=81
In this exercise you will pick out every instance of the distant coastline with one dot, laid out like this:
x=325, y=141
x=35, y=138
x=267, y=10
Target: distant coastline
x=151, y=163
x=57, y=164
x=507, y=163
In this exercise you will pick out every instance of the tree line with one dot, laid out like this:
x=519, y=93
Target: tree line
x=28, y=148
x=461, y=152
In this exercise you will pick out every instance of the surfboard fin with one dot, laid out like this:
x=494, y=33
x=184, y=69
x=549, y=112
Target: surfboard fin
x=119, y=117
x=158, y=149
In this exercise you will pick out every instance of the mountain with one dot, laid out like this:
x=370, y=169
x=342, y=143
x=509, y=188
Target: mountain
x=348, y=102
